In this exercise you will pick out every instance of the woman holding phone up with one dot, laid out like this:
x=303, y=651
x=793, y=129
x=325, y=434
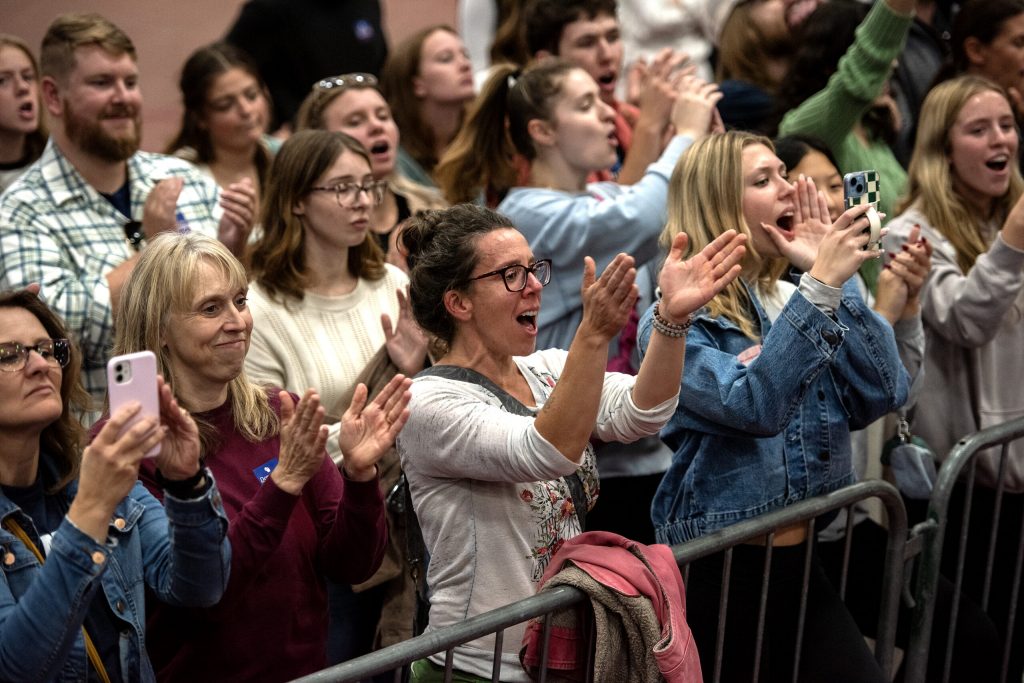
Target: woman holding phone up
x=81, y=539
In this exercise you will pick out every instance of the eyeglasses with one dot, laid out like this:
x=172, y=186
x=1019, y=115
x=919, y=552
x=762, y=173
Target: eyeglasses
x=515, y=277
x=346, y=192
x=353, y=80
x=14, y=356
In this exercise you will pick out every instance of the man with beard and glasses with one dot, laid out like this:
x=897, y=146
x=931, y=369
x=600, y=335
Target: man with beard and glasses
x=77, y=219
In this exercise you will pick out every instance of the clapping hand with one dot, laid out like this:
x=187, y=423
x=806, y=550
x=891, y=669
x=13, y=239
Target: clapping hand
x=900, y=282
x=688, y=285
x=406, y=343
x=303, y=437
x=240, y=201
x=369, y=430
x=608, y=300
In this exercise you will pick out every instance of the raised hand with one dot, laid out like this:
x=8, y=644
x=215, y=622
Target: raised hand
x=693, y=112
x=159, y=213
x=110, y=468
x=899, y=284
x=406, y=342
x=842, y=252
x=811, y=222
x=240, y=202
x=179, y=452
x=303, y=437
x=688, y=285
x=608, y=300
x=368, y=431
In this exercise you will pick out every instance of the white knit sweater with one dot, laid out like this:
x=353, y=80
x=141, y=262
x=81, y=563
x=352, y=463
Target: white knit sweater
x=321, y=342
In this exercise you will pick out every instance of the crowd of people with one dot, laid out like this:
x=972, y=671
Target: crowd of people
x=423, y=313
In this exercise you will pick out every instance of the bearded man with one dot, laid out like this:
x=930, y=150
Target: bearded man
x=77, y=219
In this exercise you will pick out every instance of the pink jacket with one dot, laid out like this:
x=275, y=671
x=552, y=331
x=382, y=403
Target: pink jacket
x=630, y=569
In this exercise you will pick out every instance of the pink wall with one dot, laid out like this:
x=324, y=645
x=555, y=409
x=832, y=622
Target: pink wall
x=165, y=33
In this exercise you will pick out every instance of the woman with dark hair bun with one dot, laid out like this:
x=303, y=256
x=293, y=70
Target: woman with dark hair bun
x=497, y=448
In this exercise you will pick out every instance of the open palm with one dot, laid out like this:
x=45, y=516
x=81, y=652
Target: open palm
x=368, y=430
x=688, y=285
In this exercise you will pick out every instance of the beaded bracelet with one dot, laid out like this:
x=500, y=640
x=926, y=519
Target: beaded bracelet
x=674, y=330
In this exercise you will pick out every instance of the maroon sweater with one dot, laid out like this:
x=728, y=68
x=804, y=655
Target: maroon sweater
x=271, y=624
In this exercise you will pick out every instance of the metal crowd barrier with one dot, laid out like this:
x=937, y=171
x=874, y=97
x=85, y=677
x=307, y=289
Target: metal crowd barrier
x=933, y=532
x=396, y=657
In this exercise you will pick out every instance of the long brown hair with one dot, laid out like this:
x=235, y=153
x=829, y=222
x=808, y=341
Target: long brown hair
x=277, y=261
x=401, y=67
x=496, y=129
x=63, y=439
x=197, y=77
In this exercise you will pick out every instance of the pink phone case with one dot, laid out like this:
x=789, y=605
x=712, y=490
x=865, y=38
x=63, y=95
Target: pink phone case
x=132, y=377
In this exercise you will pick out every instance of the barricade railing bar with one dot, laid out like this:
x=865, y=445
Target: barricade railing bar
x=962, y=461
x=398, y=656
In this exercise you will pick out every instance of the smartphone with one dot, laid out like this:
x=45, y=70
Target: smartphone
x=132, y=377
x=860, y=188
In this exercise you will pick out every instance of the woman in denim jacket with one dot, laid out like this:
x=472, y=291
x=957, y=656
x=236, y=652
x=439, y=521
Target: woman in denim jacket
x=776, y=376
x=78, y=615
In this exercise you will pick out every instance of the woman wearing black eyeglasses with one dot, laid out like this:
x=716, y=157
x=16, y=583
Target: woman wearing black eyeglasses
x=496, y=450
x=328, y=309
x=81, y=540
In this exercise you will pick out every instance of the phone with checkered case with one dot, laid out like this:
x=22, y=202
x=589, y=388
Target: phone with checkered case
x=860, y=188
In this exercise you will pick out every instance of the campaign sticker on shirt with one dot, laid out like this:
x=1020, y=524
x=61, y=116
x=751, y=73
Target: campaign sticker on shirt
x=263, y=471
x=747, y=356
x=363, y=30
x=181, y=223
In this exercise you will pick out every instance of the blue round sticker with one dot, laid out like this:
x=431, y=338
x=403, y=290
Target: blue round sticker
x=364, y=31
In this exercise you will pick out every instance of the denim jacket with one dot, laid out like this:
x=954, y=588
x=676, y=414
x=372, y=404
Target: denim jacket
x=181, y=552
x=754, y=432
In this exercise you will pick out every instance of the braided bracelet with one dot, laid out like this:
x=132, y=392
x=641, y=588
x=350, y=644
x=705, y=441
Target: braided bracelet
x=674, y=330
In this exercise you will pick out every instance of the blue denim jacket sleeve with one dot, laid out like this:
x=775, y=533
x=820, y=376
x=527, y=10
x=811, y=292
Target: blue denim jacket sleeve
x=722, y=395
x=874, y=380
x=186, y=555
x=39, y=626
x=182, y=553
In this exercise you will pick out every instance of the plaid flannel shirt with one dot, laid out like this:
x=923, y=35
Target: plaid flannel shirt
x=57, y=230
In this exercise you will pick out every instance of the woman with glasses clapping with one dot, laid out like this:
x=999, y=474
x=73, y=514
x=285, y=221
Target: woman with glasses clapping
x=497, y=448
x=82, y=541
x=331, y=314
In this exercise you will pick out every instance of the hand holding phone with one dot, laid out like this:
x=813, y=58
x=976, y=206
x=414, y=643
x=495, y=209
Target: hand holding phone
x=132, y=377
x=860, y=188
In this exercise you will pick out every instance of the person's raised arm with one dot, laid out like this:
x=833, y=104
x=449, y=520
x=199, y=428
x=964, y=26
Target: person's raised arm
x=568, y=416
x=685, y=287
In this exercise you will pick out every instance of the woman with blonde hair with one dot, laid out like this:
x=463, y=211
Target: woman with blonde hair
x=758, y=431
x=965, y=196
x=294, y=518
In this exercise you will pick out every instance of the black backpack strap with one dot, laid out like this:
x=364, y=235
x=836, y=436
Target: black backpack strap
x=516, y=407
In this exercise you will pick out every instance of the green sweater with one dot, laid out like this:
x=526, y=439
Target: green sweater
x=831, y=114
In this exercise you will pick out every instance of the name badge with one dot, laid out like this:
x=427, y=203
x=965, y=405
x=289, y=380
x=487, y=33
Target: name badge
x=263, y=471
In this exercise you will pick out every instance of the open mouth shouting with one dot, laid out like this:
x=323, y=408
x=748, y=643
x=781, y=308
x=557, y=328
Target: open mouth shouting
x=528, y=319
x=998, y=163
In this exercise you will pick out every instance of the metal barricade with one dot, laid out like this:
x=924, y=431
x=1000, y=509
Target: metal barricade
x=544, y=604
x=933, y=532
